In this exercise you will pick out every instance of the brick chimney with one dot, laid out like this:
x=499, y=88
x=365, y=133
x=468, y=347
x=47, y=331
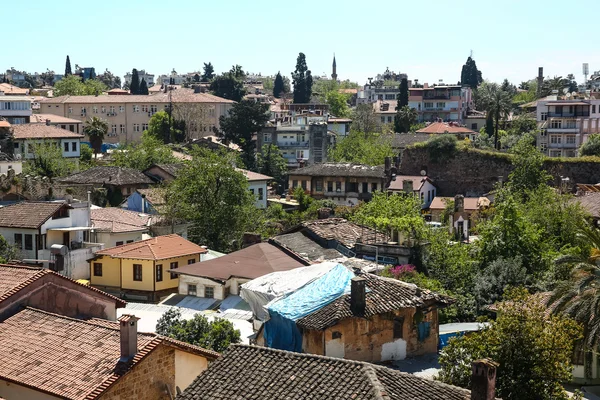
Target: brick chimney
x=323, y=213
x=483, y=379
x=128, y=336
x=358, y=300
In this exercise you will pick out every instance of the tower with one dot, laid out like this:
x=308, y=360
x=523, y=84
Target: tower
x=334, y=74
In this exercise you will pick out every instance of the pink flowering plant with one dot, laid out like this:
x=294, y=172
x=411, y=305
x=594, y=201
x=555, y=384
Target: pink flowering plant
x=400, y=271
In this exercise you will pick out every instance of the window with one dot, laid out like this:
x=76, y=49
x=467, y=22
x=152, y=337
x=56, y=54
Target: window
x=336, y=335
x=28, y=242
x=260, y=193
x=122, y=109
x=136, y=108
x=159, y=273
x=97, y=269
x=137, y=272
x=83, y=111
x=330, y=186
x=153, y=108
x=303, y=184
x=474, y=126
x=192, y=290
x=544, y=116
x=428, y=105
x=66, y=146
x=252, y=191
x=136, y=127
x=191, y=261
x=555, y=153
x=144, y=108
x=544, y=132
x=543, y=147
x=570, y=139
x=70, y=110
x=19, y=240
x=294, y=184
x=144, y=127
x=319, y=185
x=556, y=124
x=62, y=212
x=593, y=109
x=103, y=109
x=73, y=146
x=423, y=330
x=130, y=241
x=113, y=129
x=338, y=186
x=398, y=327
x=373, y=187
x=209, y=292
x=174, y=265
x=95, y=110
x=112, y=109
x=422, y=196
x=122, y=128
x=440, y=105
x=389, y=119
x=383, y=120
x=555, y=139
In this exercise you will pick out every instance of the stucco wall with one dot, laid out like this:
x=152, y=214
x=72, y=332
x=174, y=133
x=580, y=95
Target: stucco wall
x=10, y=391
x=187, y=367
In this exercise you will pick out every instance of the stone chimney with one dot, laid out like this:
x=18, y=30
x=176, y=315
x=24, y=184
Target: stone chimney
x=323, y=213
x=197, y=89
x=483, y=379
x=47, y=121
x=128, y=336
x=250, y=238
x=407, y=185
x=459, y=203
x=388, y=164
x=358, y=300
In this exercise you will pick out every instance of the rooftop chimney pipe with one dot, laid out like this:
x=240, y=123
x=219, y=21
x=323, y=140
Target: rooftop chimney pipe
x=483, y=379
x=358, y=299
x=128, y=336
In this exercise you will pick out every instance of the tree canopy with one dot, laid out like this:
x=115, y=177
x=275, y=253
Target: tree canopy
x=143, y=87
x=405, y=117
x=150, y=150
x=165, y=128
x=362, y=148
x=403, y=98
x=271, y=162
x=491, y=98
x=470, y=75
x=302, y=81
x=278, y=86
x=134, y=86
x=209, y=72
x=96, y=128
x=591, y=147
x=228, y=86
x=72, y=85
x=48, y=161
x=68, y=70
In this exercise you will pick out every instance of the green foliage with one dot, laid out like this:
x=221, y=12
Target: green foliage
x=68, y=70
x=95, y=128
x=211, y=194
x=528, y=172
x=302, y=81
x=278, y=89
x=245, y=119
x=338, y=103
x=7, y=251
x=470, y=75
x=271, y=162
x=143, y=155
x=491, y=98
x=364, y=119
x=134, y=86
x=591, y=147
x=441, y=147
x=533, y=351
x=72, y=85
x=361, y=148
x=228, y=86
x=143, y=87
x=109, y=80
x=405, y=117
x=403, y=99
x=165, y=128
x=209, y=72
x=499, y=276
x=215, y=335
x=48, y=160
x=85, y=153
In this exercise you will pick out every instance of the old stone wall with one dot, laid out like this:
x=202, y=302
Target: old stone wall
x=473, y=173
x=149, y=379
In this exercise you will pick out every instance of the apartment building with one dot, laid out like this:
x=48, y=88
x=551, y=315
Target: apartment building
x=25, y=136
x=566, y=124
x=128, y=116
x=15, y=109
x=142, y=74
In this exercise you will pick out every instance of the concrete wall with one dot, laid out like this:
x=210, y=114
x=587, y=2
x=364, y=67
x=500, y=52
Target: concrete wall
x=9, y=390
x=256, y=187
x=201, y=284
x=111, y=239
x=187, y=367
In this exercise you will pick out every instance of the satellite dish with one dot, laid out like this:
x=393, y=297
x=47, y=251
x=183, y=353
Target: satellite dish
x=423, y=172
x=18, y=156
x=568, y=95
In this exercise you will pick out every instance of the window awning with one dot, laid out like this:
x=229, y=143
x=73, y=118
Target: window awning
x=72, y=229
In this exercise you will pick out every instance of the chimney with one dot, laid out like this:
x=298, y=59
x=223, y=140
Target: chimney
x=540, y=81
x=323, y=213
x=128, y=336
x=407, y=185
x=47, y=121
x=388, y=164
x=483, y=379
x=397, y=162
x=143, y=204
x=459, y=203
x=250, y=238
x=197, y=89
x=358, y=301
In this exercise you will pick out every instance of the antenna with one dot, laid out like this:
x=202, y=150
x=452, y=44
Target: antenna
x=586, y=71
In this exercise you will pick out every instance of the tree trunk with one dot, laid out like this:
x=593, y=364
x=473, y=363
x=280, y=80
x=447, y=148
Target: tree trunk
x=497, y=117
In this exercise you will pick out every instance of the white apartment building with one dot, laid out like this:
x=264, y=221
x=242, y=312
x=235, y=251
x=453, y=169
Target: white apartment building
x=25, y=135
x=565, y=125
x=177, y=79
x=142, y=74
x=15, y=109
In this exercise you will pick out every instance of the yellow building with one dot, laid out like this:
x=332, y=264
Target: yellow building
x=139, y=270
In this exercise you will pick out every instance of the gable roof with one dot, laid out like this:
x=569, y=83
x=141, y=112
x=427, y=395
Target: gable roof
x=383, y=295
x=42, y=131
x=171, y=169
x=110, y=175
x=156, y=248
x=28, y=214
x=155, y=195
x=70, y=358
x=10, y=90
x=253, y=176
x=252, y=372
x=181, y=95
x=343, y=231
x=253, y=261
x=417, y=181
x=444, y=127
x=16, y=278
x=118, y=220
x=54, y=119
x=340, y=169
x=470, y=203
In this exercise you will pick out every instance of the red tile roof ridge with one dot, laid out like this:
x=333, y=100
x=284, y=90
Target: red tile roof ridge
x=22, y=285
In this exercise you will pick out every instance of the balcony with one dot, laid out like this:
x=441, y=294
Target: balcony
x=566, y=114
x=564, y=130
x=436, y=97
x=292, y=144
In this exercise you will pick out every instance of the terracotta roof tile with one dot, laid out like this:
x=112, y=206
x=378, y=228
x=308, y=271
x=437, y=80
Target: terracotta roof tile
x=383, y=295
x=590, y=202
x=110, y=175
x=417, y=182
x=177, y=96
x=470, y=203
x=156, y=196
x=42, y=131
x=252, y=372
x=28, y=214
x=444, y=127
x=345, y=232
x=9, y=89
x=253, y=176
x=156, y=248
x=55, y=119
x=117, y=220
x=340, y=169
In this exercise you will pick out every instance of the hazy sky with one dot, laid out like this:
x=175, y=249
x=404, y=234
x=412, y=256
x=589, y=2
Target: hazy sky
x=428, y=40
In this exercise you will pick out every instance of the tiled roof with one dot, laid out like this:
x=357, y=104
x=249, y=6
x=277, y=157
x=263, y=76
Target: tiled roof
x=305, y=247
x=156, y=248
x=42, y=131
x=398, y=183
x=340, y=169
x=383, y=295
x=67, y=357
x=110, y=175
x=253, y=261
x=253, y=176
x=590, y=202
x=54, y=119
x=28, y=214
x=171, y=169
x=4, y=124
x=470, y=203
x=9, y=89
x=178, y=96
x=155, y=196
x=402, y=140
x=15, y=278
x=444, y=127
x=252, y=372
x=117, y=220
x=345, y=232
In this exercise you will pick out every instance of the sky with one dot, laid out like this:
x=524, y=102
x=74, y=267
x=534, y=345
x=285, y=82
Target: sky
x=428, y=40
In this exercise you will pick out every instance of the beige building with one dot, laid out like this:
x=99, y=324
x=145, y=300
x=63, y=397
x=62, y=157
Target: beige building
x=128, y=116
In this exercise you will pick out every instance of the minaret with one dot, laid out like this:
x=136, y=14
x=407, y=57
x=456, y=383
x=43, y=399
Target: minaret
x=334, y=74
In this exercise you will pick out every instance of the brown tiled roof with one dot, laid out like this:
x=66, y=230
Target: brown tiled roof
x=4, y=124
x=588, y=187
x=253, y=176
x=171, y=169
x=156, y=248
x=470, y=203
x=383, y=295
x=9, y=89
x=178, y=96
x=341, y=170
x=67, y=357
x=444, y=127
x=117, y=220
x=110, y=175
x=417, y=181
x=28, y=214
x=590, y=202
x=42, y=131
x=252, y=372
x=402, y=140
x=252, y=262
x=15, y=278
x=156, y=196
x=54, y=119
x=345, y=232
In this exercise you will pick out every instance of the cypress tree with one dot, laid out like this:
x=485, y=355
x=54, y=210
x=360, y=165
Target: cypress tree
x=209, y=72
x=68, y=67
x=302, y=80
x=134, y=87
x=403, y=100
x=489, y=125
x=470, y=75
x=278, y=85
x=143, y=87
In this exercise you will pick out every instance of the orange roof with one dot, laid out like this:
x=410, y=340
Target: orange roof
x=470, y=203
x=54, y=119
x=4, y=124
x=253, y=176
x=417, y=181
x=9, y=89
x=156, y=248
x=444, y=127
x=42, y=131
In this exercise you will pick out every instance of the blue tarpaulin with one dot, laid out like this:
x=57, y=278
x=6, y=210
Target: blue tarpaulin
x=280, y=330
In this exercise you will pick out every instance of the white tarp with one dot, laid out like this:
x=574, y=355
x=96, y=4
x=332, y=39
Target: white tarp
x=261, y=291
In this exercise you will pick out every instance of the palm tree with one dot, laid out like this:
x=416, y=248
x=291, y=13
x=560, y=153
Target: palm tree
x=494, y=101
x=404, y=118
x=96, y=128
x=579, y=297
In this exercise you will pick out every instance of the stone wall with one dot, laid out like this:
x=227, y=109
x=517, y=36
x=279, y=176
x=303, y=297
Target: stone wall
x=473, y=173
x=148, y=379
